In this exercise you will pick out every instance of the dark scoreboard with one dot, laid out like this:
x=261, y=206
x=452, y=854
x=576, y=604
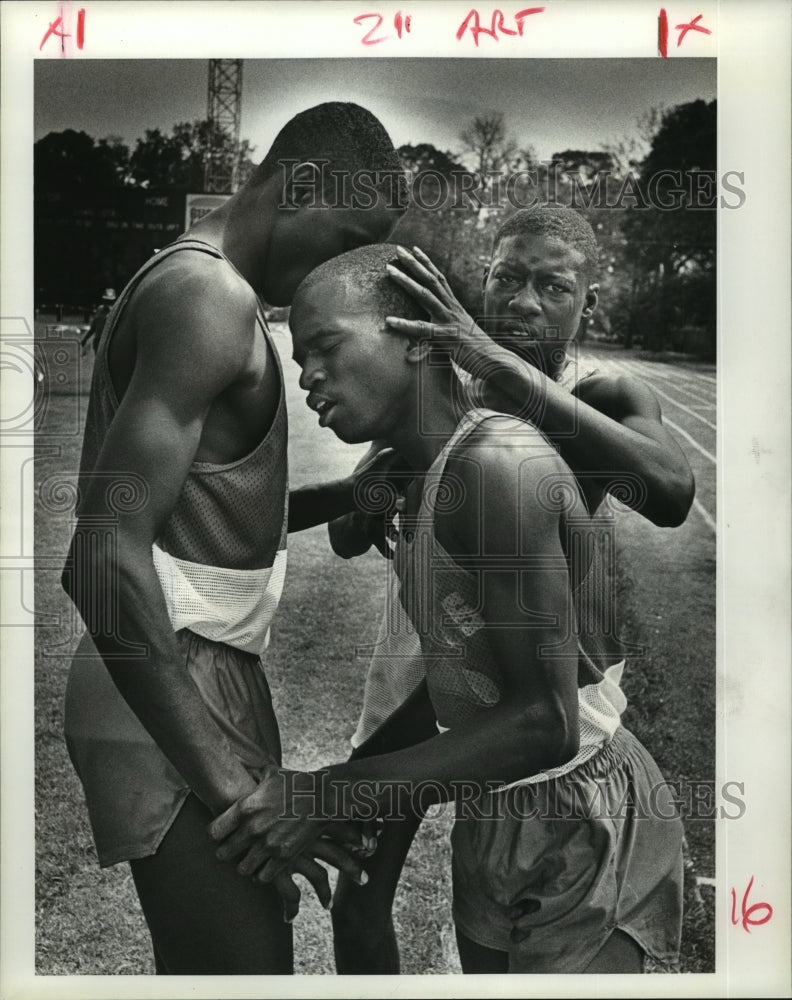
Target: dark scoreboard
x=83, y=246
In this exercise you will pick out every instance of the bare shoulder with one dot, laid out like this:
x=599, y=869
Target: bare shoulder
x=196, y=304
x=502, y=442
x=617, y=396
x=509, y=482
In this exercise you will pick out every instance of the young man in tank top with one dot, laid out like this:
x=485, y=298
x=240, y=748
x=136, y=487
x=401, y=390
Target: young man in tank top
x=598, y=422
x=177, y=560
x=490, y=552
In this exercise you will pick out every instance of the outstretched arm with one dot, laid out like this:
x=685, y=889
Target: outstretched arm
x=319, y=503
x=372, y=523
x=343, y=502
x=612, y=431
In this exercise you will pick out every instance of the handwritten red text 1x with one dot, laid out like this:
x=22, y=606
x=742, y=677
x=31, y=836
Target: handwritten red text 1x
x=683, y=29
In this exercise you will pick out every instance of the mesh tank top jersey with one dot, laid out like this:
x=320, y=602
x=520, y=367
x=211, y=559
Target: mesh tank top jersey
x=221, y=561
x=397, y=665
x=441, y=601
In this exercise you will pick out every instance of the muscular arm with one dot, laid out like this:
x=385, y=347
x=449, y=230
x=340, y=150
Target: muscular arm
x=342, y=503
x=364, y=938
x=180, y=368
x=413, y=722
x=611, y=434
x=318, y=504
x=609, y=431
x=356, y=531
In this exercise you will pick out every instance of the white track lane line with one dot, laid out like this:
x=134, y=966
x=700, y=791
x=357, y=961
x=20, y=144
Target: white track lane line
x=705, y=514
x=675, y=402
x=663, y=370
x=678, y=430
x=635, y=366
x=691, y=372
x=695, y=388
x=712, y=379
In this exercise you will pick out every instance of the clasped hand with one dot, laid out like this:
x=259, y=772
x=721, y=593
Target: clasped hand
x=282, y=828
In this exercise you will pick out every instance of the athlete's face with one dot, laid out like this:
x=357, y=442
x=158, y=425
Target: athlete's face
x=308, y=235
x=354, y=370
x=535, y=292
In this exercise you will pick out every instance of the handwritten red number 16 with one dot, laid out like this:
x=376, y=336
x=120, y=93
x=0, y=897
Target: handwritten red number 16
x=746, y=918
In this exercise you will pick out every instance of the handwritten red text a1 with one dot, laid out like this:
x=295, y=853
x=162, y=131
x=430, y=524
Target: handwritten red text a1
x=57, y=29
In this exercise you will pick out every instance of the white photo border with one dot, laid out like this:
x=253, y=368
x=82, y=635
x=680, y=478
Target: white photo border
x=752, y=45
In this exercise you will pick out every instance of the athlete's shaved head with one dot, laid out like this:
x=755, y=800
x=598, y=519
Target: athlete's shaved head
x=564, y=224
x=348, y=137
x=363, y=271
x=363, y=378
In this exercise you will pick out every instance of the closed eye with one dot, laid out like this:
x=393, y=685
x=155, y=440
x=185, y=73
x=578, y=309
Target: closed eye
x=316, y=347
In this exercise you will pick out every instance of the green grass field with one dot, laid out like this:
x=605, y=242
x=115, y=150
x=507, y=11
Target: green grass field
x=88, y=920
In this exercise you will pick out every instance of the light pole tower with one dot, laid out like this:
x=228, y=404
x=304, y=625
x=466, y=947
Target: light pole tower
x=223, y=103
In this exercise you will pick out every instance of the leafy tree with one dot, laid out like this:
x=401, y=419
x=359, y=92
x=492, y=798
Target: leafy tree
x=671, y=237
x=425, y=156
x=439, y=181
x=487, y=140
x=70, y=163
x=177, y=161
x=158, y=161
x=585, y=164
x=628, y=151
x=492, y=150
x=443, y=218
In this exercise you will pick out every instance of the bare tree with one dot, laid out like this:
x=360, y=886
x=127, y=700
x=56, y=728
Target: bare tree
x=487, y=140
x=628, y=151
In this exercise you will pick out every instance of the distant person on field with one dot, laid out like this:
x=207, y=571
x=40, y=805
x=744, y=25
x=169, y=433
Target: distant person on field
x=94, y=332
